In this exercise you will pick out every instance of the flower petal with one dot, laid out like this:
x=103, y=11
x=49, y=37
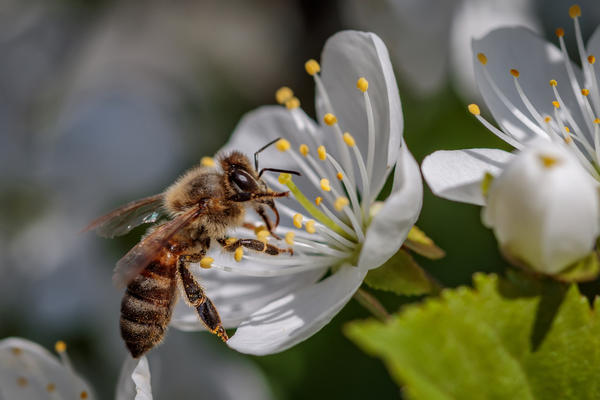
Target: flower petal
x=134, y=380
x=538, y=62
x=295, y=317
x=346, y=57
x=28, y=371
x=457, y=174
x=391, y=224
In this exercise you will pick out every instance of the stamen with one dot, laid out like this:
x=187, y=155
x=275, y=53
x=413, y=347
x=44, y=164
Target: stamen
x=325, y=185
x=568, y=115
x=322, y=152
x=318, y=200
x=474, y=109
x=574, y=11
x=289, y=238
x=338, y=221
x=371, y=136
x=362, y=84
x=340, y=203
x=560, y=32
x=283, y=94
x=60, y=347
x=297, y=220
x=596, y=90
x=206, y=262
x=282, y=145
x=585, y=92
x=556, y=104
x=300, y=264
x=534, y=113
x=303, y=150
x=348, y=139
x=340, y=176
x=330, y=119
x=312, y=67
x=350, y=188
x=553, y=82
x=292, y=103
x=310, y=226
x=207, y=162
x=231, y=240
x=482, y=58
x=239, y=253
x=514, y=73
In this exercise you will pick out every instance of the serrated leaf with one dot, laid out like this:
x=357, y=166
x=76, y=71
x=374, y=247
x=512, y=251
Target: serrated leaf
x=586, y=269
x=402, y=275
x=500, y=340
x=422, y=244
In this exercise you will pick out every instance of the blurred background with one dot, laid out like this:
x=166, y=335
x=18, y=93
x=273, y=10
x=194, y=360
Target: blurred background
x=103, y=102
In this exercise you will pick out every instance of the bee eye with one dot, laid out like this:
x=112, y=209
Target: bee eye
x=243, y=181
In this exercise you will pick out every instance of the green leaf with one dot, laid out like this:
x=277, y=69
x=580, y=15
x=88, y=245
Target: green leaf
x=421, y=244
x=401, y=275
x=500, y=340
x=586, y=269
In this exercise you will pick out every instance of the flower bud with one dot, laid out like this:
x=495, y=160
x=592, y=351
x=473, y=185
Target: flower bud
x=543, y=208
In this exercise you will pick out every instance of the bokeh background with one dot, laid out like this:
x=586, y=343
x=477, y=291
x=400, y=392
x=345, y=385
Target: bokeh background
x=102, y=102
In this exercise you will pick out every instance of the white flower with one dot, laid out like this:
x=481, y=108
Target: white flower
x=534, y=91
x=28, y=371
x=277, y=302
x=544, y=208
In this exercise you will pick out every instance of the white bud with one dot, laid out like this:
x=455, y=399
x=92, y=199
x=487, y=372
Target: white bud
x=543, y=208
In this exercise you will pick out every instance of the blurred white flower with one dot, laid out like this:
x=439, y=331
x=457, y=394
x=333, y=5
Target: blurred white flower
x=351, y=152
x=28, y=371
x=544, y=208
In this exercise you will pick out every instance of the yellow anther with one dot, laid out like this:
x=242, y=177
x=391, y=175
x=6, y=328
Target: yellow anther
x=60, y=346
x=292, y=103
x=16, y=351
x=263, y=236
x=547, y=118
x=560, y=32
x=51, y=387
x=284, y=178
x=282, y=145
x=349, y=140
x=340, y=203
x=21, y=381
x=330, y=119
x=310, y=226
x=362, y=84
x=474, y=109
x=283, y=94
x=585, y=92
x=206, y=262
x=322, y=152
x=482, y=58
x=239, y=253
x=340, y=176
x=207, y=162
x=556, y=104
x=325, y=184
x=574, y=11
x=591, y=59
x=289, y=238
x=514, y=72
x=553, y=82
x=567, y=129
x=303, y=150
x=597, y=121
x=83, y=395
x=548, y=161
x=568, y=140
x=312, y=67
x=297, y=220
x=318, y=200
x=230, y=241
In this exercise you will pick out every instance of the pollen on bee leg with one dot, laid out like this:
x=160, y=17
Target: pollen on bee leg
x=260, y=228
x=289, y=238
x=229, y=241
x=283, y=94
x=263, y=236
x=325, y=184
x=310, y=226
x=303, y=149
x=482, y=58
x=282, y=145
x=207, y=162
x=206, y=262
x=574, y=11
x=60, y=346
x=297, y=220
x=322, y=152
x=239, y=253
x=340, y=203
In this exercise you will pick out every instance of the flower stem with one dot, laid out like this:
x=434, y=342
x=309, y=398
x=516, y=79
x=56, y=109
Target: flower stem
x=373, y=305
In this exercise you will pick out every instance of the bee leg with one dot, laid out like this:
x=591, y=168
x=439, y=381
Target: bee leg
x=253, y=244
x=197, y=298
x=260, y=210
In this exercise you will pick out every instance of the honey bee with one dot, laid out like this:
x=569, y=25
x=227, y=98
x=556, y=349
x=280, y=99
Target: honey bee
x=203, y=205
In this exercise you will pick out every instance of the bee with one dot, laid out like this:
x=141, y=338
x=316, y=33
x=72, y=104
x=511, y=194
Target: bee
x=203, y=204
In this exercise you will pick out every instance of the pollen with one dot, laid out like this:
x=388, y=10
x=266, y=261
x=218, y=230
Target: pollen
x=322, y=152
x=597, y=121
x=260, y=228
x=207, y=162
x=51, y=387
x=22, y=382
x=482, y=58
x=289, y=238
x=206, y=262
x=574, y=11
x=340, y=203
x=548, y=161
x=560, y=32
x=297, y=220
x=330, y=119
x=283, y=94
x=312, y=67
x=263, y=236
x=60, y=346
x=83, y=395
x=284, y=178
x=292, y=103
x=325, y=184
x=547, y=119
x=282, y=145
x=591, y=59
x=340, y=176
x=310, y=226
x=230, y=241
x=362, y=84
x=303, y=150
x=318, y=200
x=556, y=104
x=553, y=82
x=239, y=253
x=348, y=139
x=514, y=72
x=474, y=109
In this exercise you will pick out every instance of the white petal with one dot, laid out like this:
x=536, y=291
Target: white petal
x=346, y=57
x=391, y=224
x=134, y=380
x=538, y=62
x=457, y=174
x=27, y=370
x=297, y=316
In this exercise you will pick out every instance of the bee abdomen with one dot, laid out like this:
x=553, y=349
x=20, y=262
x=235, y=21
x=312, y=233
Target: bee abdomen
x=146, y=308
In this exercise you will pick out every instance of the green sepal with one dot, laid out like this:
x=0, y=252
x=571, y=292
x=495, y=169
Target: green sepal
x=584, y=270
x=422, y=244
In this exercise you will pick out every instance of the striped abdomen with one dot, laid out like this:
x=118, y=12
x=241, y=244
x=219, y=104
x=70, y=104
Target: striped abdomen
x=147, y=305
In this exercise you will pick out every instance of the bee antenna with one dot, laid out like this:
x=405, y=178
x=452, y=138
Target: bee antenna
x=261, y=149
x=288, y=171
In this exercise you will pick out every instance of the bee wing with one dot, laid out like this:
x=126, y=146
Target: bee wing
x=123, y=219
x=145, y=251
